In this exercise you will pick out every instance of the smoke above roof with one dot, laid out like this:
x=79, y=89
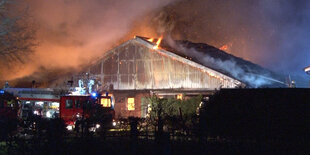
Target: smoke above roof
x=273, y=34
x=249, y=73
x=71, y=33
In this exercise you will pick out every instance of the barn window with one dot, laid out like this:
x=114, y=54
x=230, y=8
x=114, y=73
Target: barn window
x=131, y=103
x=180, y=96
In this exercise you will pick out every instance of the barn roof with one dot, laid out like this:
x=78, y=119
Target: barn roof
x=245, y=71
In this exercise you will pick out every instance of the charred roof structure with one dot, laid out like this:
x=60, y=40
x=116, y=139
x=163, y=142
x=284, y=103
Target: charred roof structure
x=141, y=67
x=252, y=75
x=136, y=64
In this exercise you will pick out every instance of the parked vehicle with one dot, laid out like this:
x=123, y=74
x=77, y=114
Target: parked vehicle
x=8, y=105
x=8, y=114
x=76, y=108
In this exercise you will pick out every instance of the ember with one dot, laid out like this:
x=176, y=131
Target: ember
x=224, y=47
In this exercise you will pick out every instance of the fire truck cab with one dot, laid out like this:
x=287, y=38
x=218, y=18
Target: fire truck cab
x=80, y=107
x=8, y=105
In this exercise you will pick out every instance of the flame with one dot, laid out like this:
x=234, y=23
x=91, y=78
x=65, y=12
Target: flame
x=151, y=40
x=158, y=43
x=224, y=47
x=214, y=75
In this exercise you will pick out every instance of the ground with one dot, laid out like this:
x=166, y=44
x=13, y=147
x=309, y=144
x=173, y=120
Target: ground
x=122, y=143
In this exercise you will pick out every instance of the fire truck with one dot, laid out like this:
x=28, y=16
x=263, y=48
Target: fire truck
x=8, y=106
x=47, y=104
x=77, y=108
x=8, y=114
x=36, y=101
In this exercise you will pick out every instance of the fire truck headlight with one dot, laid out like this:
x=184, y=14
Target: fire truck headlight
x=78, y=115
x=114, y=123
x=97, y=126
x=36, y=112
x=69, y=127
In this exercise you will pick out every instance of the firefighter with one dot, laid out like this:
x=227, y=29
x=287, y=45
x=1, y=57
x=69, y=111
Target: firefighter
x=77, y=126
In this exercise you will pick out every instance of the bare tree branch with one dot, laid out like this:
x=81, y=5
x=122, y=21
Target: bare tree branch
x=17, y=34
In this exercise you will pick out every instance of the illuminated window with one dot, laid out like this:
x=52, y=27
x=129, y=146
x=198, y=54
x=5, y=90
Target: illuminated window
x=131, y=103
x=180, y=96
x=105, y=102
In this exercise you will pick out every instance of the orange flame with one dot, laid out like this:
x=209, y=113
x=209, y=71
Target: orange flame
x=158, y=43
x=224, y=47
x=151, y=40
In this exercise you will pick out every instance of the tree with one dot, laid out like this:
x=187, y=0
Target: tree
x=17, y=34
x=173, y=112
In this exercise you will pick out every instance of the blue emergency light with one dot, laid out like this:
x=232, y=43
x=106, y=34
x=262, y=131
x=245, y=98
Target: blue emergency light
x=1, y=91
x=94, y=94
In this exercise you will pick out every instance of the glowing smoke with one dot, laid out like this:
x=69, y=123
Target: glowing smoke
x=273, y=34
x=71, y=33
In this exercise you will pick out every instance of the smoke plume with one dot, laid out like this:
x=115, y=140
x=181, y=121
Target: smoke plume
x=273, y=33
x=71, y=33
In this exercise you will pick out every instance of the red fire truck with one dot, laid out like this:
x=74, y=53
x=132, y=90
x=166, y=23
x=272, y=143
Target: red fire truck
x=47, y=104
x=8, y=114
x=8, y=106
x=80, y=107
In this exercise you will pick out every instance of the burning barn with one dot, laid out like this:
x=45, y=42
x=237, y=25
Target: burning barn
x=141, y=67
